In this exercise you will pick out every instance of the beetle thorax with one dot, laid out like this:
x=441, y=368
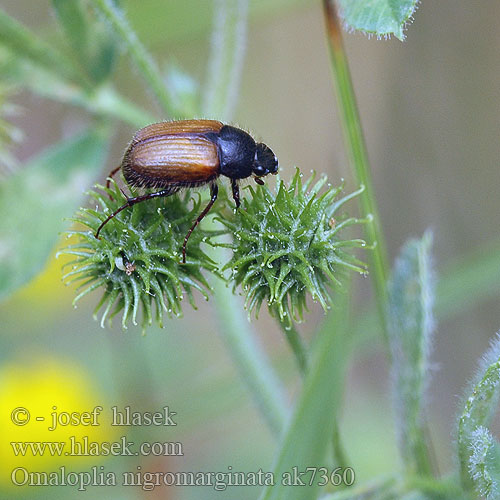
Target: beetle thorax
x=236, y=152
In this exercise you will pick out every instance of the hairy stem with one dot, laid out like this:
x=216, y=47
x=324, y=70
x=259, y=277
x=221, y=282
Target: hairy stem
x=297, y=344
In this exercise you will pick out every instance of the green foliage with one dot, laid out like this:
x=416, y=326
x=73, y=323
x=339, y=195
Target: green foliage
x=378, y=17
x=410, y=326
x=137, y=260
x=72, y=17
x=477, y=452
x=484, y=463
x=385, y=489
x=290, y=239
x=33, y=199
x=286, y=245
x=306, y=442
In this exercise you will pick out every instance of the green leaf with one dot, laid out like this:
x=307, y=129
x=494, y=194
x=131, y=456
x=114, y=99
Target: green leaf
x=462, y=284
x=410, y=326
x=305, y=442
x=25, y=44
x=379, y=17
x=484, y=463
x=34, y=201
x=479, y=407
x=429, y=488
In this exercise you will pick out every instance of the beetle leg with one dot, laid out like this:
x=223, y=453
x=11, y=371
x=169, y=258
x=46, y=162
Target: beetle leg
x=110, y=176
x=214, y=189
x=236, y=192
x=133, y=201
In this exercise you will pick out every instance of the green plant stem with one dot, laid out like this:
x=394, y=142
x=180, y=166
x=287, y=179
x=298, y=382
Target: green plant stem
x=249, y=358
x=297, y=344
x=354, y=140
x=145, y=63
x=103, y=100
x=353, y=137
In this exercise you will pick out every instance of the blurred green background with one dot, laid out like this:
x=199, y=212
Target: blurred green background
x=430, y=109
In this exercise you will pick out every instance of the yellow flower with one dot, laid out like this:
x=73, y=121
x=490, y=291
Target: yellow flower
x=33, y=391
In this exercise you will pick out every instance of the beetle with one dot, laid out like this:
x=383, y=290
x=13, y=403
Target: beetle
x=170, y=156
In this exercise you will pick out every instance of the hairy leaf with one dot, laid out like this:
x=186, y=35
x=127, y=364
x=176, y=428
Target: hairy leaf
x=484, y=463
x=410, y=326
x=479, y=406
x=378, y=17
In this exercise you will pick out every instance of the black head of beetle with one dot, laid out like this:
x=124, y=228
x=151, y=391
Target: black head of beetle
x=265, y=161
